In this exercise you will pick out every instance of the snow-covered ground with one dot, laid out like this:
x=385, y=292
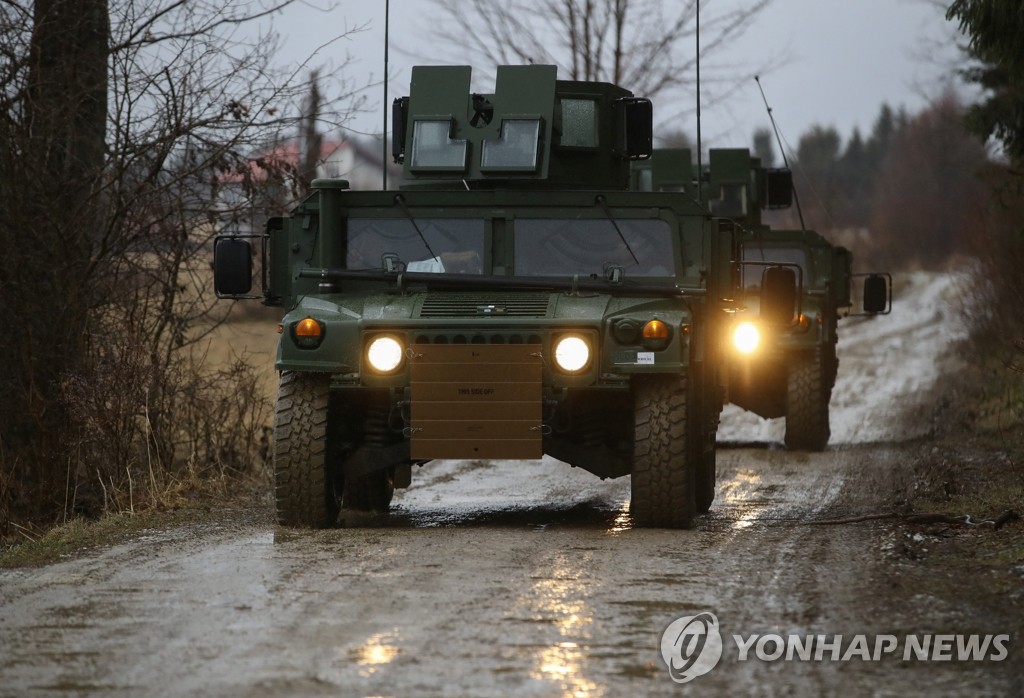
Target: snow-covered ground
x=887, y=364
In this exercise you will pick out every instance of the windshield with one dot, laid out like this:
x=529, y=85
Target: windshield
x=560, y=247
x=456, y=245
x=780, y=255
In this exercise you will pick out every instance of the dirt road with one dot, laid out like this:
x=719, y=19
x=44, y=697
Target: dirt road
x=511, y=578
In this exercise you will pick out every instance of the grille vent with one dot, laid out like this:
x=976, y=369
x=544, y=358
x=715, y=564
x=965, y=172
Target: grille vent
x=485, y=305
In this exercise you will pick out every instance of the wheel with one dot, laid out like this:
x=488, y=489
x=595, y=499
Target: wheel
x=304, y=479
x=704, y=490
x=807, y=397
x=663, y=477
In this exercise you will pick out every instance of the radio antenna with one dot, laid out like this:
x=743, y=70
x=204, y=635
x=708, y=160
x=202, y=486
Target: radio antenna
x=384, y=108
x=700, y=156
x=778, y=139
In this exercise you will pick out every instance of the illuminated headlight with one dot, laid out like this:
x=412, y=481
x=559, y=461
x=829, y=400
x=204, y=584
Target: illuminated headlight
x=572, y=354
x=385, y=354
x=746, y=337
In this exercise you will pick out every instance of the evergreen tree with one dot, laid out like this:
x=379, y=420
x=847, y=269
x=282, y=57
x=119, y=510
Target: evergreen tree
x=854, y=178
x=995, y=28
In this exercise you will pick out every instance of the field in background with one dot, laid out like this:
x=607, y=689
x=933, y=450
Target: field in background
x=250, y=335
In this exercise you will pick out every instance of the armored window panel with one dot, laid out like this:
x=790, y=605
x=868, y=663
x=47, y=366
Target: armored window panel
x=763, y=255
x=516, y=149
x=731, y=201
x=590, y=246
x=450, y=245
x=433, y=147
x=579, y=123
x=646, y=179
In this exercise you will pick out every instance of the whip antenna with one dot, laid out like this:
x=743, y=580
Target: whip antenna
x=778, y=139
x=384, y=108
x=700, y=157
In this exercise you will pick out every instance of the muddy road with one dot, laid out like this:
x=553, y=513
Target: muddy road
x=527, y=578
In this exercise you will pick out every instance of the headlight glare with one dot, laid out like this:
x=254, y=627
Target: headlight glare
x=572, y=353
x=746, y=337
x=385, y=354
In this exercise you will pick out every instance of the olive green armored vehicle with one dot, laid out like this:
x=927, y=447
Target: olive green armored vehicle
x=513, y=298
x=781, y=360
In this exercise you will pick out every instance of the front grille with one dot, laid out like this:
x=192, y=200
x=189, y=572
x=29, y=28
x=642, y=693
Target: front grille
x=475, y=337
x=447, y=305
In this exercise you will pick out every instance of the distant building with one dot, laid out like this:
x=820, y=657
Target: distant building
x=357, y=161
x=272, y=184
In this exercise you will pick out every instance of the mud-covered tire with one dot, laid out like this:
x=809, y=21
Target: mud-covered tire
x=304, y=488
x=808, y=394
x=662, y=480
x=370, y=492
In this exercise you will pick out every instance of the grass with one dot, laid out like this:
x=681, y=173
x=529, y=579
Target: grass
x=240, y=498
x=79, y=535
x=975, y=466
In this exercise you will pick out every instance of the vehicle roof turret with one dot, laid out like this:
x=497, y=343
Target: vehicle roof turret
x=534, y=131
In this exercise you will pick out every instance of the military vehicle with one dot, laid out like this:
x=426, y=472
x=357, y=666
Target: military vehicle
x=512, y=298
x=782, y=362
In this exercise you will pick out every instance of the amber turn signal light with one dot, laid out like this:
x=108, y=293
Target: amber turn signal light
x=655, y=329
x=308, y=333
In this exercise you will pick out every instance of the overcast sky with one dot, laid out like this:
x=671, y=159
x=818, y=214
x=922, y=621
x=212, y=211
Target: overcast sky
x=842, y=60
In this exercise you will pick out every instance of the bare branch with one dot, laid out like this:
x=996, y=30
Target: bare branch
x=643, y=45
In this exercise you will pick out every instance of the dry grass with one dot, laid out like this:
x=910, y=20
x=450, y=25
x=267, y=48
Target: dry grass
x=252, y=339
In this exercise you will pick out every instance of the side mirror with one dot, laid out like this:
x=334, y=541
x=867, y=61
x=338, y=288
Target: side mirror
x=777, y=189
x=634, y=118
x=876, y=294
x=399, y=115
x=232, y=267
x=778, y=295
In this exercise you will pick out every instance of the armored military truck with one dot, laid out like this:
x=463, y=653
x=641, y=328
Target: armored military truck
x=782, y=360
x=513, y=298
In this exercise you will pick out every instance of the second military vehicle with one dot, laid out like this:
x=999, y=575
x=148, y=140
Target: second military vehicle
x=782, y=360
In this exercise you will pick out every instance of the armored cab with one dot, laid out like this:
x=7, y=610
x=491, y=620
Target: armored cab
x=792, y=289
x=514, y=298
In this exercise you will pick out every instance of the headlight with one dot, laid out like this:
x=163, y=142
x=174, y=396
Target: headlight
x=572, y=354
x=385, y=354
x=746, y=337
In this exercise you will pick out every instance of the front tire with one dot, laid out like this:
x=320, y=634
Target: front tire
x=662, y=482
x=807, y=404
x=304, y=480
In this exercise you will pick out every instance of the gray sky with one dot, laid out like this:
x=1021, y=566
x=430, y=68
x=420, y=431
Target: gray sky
x=842, y=60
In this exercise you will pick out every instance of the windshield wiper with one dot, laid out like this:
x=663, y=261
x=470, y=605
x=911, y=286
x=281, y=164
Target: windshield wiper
x=408, y=214
x=604, y=207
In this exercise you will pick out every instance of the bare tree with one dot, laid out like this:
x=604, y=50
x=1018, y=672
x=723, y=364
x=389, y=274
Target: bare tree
x=638, y=44
x=127, y=140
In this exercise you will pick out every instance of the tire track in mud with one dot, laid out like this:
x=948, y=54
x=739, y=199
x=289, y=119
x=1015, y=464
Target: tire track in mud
x=487, y=579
